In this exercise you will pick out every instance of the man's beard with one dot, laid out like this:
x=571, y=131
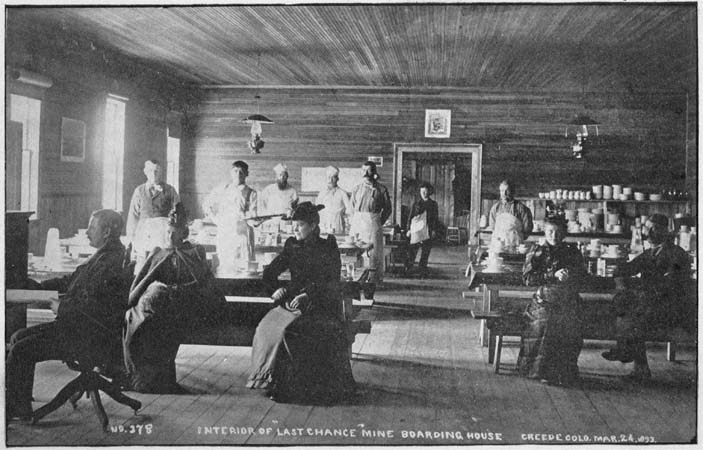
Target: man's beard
x=282, y=184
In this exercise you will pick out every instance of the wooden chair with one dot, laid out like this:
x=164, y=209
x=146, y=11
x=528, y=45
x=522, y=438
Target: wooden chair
x=91, y=380
x=459, y=232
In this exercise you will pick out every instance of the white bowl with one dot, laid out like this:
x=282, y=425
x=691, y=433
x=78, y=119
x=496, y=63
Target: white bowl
x=655, y=197
x=639, y=196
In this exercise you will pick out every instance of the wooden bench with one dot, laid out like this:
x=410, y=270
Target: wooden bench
x=236, y=322
x=502, y=310
x=233, y=325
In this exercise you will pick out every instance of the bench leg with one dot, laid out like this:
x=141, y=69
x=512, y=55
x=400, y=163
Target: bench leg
x=671, y=351
x=491, y=347
x=482, y=333
x=499, y=347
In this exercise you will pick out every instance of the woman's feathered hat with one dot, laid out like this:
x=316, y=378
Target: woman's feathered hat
x=307, y=212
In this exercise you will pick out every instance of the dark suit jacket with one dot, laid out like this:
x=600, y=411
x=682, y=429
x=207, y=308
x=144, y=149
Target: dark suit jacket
x=92, y=310
x=314, y=266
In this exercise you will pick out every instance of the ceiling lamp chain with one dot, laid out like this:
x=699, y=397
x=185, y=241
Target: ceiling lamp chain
x=256, y=143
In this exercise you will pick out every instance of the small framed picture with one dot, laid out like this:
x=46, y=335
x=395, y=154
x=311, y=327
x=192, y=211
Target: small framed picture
x=438, y=123
x=72, y=140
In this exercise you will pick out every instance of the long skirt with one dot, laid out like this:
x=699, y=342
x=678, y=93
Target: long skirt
x=151, y=340
x=551, y=342
x=301, y=358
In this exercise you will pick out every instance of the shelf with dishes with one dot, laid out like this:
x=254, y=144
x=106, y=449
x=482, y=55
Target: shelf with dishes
x=536, y=236
x=613, y=216
x=601, y=200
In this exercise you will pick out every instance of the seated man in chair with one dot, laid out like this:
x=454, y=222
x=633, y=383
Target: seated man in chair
x=89, y=316
x=650, y=303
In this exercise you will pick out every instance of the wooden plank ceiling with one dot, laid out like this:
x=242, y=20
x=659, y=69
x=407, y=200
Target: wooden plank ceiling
x=565, y=47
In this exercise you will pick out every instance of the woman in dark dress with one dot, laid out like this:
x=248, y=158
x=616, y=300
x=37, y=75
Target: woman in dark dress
x=170, y=293
x=300, y=350
x=552, y=341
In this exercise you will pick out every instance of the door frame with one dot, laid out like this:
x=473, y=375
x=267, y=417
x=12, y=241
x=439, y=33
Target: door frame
x=475, y=150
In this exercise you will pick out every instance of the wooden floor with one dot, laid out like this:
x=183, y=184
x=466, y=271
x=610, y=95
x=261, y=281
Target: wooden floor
x=423, y=379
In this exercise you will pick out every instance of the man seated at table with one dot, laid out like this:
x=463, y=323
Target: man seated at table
x=88, y=319
x=654, y=301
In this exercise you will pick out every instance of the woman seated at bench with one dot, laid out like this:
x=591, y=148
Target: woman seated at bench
x=552, y=341
x=170, y=293
x=655, y=301
x=300, y=347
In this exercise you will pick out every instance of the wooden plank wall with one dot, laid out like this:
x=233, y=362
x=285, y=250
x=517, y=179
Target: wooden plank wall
x=642, y=135
x=82, y=78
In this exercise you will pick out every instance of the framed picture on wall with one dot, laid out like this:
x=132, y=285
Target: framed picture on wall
x=72, y=140
x=438, y=123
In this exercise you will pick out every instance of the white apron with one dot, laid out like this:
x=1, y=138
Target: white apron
x=334, y=221
x=149, y=233
x=368, y=226
x=235, y=238
x=332, y=216
x=418, y=229
x=235, y=245
x=507, y=229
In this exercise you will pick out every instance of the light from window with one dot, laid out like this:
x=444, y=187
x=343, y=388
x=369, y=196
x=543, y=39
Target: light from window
x=113, y=153
x=173, y=151
x=27, y=111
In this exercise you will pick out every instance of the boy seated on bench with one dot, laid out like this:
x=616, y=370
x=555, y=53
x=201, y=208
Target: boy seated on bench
x=653, y=302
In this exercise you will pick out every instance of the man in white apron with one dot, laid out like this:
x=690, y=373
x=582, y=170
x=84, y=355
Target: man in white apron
x=229, y=206
x=278, y=198
x=371, y=205
x=147, y=218
x=337, y=204
x=511, y=220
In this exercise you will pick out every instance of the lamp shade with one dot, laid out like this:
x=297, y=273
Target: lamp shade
x=257, y=118
x=582, y=119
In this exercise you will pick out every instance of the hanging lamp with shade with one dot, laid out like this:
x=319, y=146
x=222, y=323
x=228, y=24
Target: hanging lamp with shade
x=256, y=143
x=582, y=123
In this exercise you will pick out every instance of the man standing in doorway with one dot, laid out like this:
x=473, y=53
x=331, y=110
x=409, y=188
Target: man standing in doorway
x=424, y=221
x=147, y=218
x=511, y=220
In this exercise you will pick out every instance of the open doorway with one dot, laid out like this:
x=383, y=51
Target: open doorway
x=455, y=173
